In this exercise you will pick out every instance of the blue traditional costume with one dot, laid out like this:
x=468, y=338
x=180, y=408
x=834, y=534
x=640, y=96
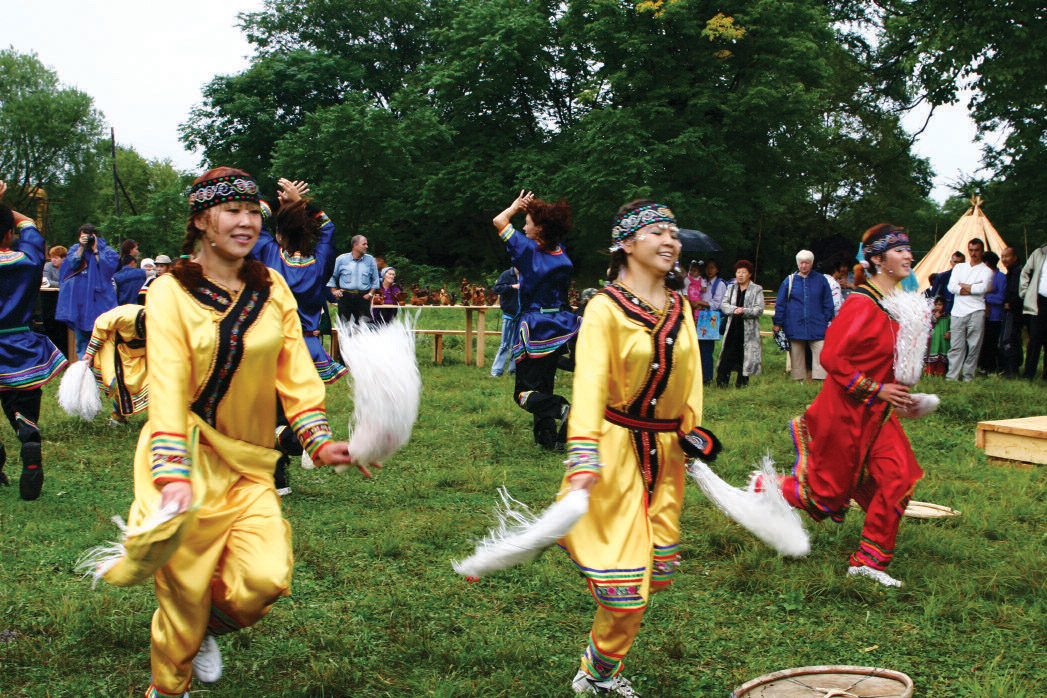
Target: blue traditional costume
x=86, y=290
x=27, y=360
x=546, y=325
x=306, y=275
x=129, y=283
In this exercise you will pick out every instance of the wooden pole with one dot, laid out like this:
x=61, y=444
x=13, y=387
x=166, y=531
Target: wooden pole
x=759, y=237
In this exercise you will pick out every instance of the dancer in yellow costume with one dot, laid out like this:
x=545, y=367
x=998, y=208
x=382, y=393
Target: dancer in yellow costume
x=637, y=390
x=224, y=339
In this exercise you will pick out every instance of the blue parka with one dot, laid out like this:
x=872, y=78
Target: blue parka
x=806, y=311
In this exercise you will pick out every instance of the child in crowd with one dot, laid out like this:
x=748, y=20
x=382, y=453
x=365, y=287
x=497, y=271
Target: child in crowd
x=938, y=344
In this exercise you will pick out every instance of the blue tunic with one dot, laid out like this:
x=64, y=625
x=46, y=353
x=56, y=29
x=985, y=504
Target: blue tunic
x=83, y=296
x=27, y=359
x=129, y=281
x=546, y=322
x=306, y=276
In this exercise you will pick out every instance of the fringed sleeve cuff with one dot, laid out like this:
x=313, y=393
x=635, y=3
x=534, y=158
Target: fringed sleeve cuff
x=583, y=456
x=312, y=430
x=862, y=388
x=170, y=458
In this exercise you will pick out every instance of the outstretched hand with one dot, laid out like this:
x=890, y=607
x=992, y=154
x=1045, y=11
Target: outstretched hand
x=522, y=200
x=291, y=191
x=337, y=453
x=896, y=394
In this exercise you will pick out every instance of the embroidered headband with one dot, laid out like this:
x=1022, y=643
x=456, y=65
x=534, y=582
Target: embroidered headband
x=218, y=190
x=890, y=239
x=631, y=221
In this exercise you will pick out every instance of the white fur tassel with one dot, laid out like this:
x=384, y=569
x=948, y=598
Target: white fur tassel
x=923, y=404
x=519, y=535
x=97, y=561
x=386, y=385
x=765, y=514
x=912, y=311
x=78, y=393
x=307, y=462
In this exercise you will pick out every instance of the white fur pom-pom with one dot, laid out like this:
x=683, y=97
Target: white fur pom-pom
x=765, y=514
x=912, y=312
x=307, y=462
x=78, y=393
x=519, y=535
x=386, y=385
x=923, y=404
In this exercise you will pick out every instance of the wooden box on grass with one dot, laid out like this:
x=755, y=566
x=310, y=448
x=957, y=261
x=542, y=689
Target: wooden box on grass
x=1015, y=440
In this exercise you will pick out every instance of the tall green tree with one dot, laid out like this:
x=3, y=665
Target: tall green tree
x=46, y=129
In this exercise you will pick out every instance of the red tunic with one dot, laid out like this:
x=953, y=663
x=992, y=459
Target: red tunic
x=848, y=443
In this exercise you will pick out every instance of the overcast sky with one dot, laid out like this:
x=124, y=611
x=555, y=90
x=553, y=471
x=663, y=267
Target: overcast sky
x=144, y=63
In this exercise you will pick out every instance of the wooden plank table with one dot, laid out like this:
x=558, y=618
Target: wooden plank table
x=481, y=325
x=1015, y=441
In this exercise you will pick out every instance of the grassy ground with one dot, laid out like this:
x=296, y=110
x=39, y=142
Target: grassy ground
x=377, y=610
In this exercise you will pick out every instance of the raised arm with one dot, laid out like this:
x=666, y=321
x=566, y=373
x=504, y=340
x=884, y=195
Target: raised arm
x=518, y=205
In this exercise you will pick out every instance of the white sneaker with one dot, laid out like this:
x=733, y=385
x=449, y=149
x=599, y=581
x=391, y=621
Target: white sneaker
x=873, y=573
x=614, y=686
x=207, y=664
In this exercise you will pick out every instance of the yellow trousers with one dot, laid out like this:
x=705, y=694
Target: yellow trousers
x=225, y=576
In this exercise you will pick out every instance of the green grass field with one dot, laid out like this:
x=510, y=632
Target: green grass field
x=376, y=609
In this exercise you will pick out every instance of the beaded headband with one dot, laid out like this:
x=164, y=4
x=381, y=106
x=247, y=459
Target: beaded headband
x=219, y=190
x=890, y=239
x=631, y=221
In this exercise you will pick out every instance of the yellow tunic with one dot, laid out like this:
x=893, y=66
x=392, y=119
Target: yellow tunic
x=117, y=354
x=635, y=360
x=218, y=361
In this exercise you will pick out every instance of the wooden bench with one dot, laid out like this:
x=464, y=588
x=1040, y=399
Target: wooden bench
x=438, y=340
x=1013, y=441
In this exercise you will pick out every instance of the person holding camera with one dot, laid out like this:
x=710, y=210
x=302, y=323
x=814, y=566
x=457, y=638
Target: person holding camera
x=87, y=288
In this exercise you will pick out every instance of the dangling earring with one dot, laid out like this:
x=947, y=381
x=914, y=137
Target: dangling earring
x=890, y=272
x=213, y=245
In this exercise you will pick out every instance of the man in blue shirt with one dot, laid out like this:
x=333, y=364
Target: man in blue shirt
x=355, y=281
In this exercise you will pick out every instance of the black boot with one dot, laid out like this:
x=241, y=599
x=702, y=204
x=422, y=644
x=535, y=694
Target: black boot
x=280, y=480
x=545, y=432
x=32, y=480
x=561, y=435
x=3, y=461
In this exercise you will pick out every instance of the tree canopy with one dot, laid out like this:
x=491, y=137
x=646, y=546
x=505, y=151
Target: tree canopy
x=768, y=122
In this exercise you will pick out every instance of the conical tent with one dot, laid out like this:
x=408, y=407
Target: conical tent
x=972, y=224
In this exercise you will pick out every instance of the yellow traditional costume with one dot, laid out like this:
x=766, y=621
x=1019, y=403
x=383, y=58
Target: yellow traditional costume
x=637, y=388
x=218, y=361
x=116, y=351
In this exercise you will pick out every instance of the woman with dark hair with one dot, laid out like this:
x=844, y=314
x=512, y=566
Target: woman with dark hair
x=86, y=289
x=636, y=391
x=546, y=324
x=742, y=350
x=27, y=360
x=224, y=342
x=303, y=253
x=849, y=442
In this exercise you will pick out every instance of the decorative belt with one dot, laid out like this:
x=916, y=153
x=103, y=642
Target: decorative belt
x=549, y=310
x=355, y=292
x=311, y=333
x=15, y=330
x=630, y=421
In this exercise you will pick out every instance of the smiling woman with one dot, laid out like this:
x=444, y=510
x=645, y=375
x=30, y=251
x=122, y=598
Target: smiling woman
x=224, y=344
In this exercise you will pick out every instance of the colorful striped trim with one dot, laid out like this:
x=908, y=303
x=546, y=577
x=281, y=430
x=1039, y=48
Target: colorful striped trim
x=583, y=456
x=312, y=429
x=297, y=260
x=24, y=223
x=221, y=624
x=817, y=510
x=11, y=257
x=154, y=692
x=169, y=455
x=666, y=560
x=93, y=345
x=34, y=376
x=536, y=350
x=599, y=664
x=618, y=596
x=862, y=388
x=330, y=370
x=871, y=554
x=506, y=232
x=25, y=421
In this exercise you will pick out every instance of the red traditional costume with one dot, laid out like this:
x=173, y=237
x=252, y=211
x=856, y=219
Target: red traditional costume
x=850, y=445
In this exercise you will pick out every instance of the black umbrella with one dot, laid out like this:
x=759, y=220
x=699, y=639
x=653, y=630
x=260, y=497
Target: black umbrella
x=697, y=241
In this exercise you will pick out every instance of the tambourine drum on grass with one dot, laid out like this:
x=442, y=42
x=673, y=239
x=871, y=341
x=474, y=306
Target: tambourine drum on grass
x=832, y=681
